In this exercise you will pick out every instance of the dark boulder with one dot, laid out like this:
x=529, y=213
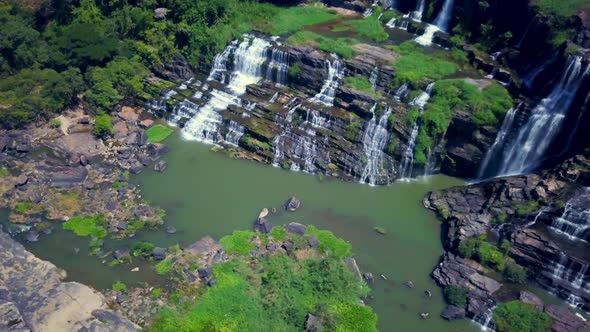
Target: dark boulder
x=176, y=69
x=159, y=253
x=452, y=312
x=32, y=236
x=66, y=177
x=292, y=204
x=160, y=166
x=296, y=228
x=121, y=298
x=21, y=180
x=212, y=282
x=564, y=320
x=368, y=276
x=205, y=273
x=312, y=323
x=532, y=299
x=122, y=225
x=121, y=254
x=312, y=241
x=263, y=226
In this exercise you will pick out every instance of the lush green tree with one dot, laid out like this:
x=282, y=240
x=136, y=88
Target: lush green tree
x=103, y=125
x=456, y=295
x=517, y=316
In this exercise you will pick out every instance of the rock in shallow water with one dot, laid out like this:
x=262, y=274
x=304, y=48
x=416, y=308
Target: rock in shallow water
x=160, y=166
x=452, y=312
x=296, y=228
x=292, y=204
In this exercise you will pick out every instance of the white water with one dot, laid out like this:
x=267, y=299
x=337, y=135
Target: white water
x=528, y=149
x=498, y=146
x=219, y=68
x=318, y=120
x=374, y=77
x=305, y=149
x=292, y=110
x=374, y=141
x=368, y=12
x=401, y=92
x=279, y=62
x=335, y=71
x=234, y=133
x=404, y=25
x=575, y=220
x=563, y=269
x=248, y=59
x=408, y=159
x=417, y=14
x=443, y=19
x=485, y=321
x=391, y=23
x=426, y=38
x=274, y=97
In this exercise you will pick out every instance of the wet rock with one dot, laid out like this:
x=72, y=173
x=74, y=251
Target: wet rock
x=452, y=312
x=66, y=177
x=368, y=276
x=263, y=213
x=409, y=284
x=353, y=267
x=160, y=166
x=263, y=226
x=122, y=225
x=76, y=250
x=296, y=228
x=564, y=320
x=21, y=180
x=313, y=241
x=36, y=197
x=136, y=168
x=292, y=204
x=287, y=245
x=107, y=320
x=532, y=299
x=312, y=323
x=141, y=138
x=121, y=298
x=135, y=269
x=212, y=282
x=84, y=160
x=424, y=315
x=159, y=253
x=176, y=69
x=22, y=148
x=121, y=255
x=32, y=236
x=157, y=150
x=205, y=273
x=170, y=230
x=147, y=123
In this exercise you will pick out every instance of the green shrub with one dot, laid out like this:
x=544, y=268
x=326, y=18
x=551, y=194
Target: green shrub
x=292, y=19
x=158, y=133
x=456, y=295
x=294, y=71
x=55, y=123
x=485, y=252
x=370, y=27
x=278, y=233
x=164, y=267
x=524, y=209
x=561, y=8
x=4, y=172
x=353, y=131
x=23, y=207
x=119, y=287
x=142, y=249
x=252, y=144
x=517, y=316
x=103, y=125
x=340, y=46
x=329, y=242
x=500, y=218
x=417, y=68
x=239, y=242
x=515, y=273
x=87, y=225
x=359, y=84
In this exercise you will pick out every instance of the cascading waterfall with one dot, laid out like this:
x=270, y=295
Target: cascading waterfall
x=575, y=220
x=318, y=120
x=219, y=68
x=498, y=146
x=404, y=25
x=401, y=92
x=292, y=110
x=391, y=23
x=234, y=133
x=161, y=103
x=374, y=141
x=443, y=19
x=485, y=321
x=335, y=71
x=544, y=124
x=279, y=62
x=274, y=97
x=408, y=158
x=417, y=14
x=571, y=272
x=430, y=163
x=374, y=77
x=441, y=23
x=249, y=56
x=368, y=12
x=306, y=150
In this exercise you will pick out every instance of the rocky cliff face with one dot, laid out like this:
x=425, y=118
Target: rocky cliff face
x=529, y=211
x=33, y=297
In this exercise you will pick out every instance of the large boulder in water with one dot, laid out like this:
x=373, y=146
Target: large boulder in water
x=452, y=312
x=296, y=228
x=292, y=204
x=262, y=225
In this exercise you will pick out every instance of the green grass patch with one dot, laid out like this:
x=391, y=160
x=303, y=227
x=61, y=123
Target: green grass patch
x=370, y=27
x=94, y=226
x=292, y=19
x=340, y=46
x=360, y=84
x=483, y=251
x=142, y=249
x=456, y=295
x=164, y=267
x=119, y=287
x=517, y=316
x=239, y=242
x=278, y=233
x=158, y=133
x=523, y=209
x=418, y=69
x=4, y=172
x=330, y=243
x=274, y=294
x=565, y=8
x=23, y=207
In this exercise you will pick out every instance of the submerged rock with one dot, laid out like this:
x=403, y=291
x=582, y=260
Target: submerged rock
x=312, y=323
x=452, y=312
x=160, y=166
x=159, y=253
x=263, y=226
x=292, y=204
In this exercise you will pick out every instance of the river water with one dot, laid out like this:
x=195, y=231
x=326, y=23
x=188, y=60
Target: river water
x=206, y=193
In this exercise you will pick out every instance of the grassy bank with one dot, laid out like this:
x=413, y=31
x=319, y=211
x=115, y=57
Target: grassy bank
x=340, y=46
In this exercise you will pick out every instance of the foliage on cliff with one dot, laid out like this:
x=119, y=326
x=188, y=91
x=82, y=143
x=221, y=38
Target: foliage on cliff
x=275, y=291
x=522, y=317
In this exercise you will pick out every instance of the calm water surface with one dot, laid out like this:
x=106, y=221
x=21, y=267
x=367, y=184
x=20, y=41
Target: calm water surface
x=206, y=193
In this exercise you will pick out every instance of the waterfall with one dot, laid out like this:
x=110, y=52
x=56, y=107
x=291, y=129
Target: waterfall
x=335, y=72
x=404, y=25
x=575, y=220
x=401, y=92
x=277, y=150
x=306, y=150
x=161, y=104
x=368, y=12
x=444, y=17
x=292, y=110
x=430, y=163
x=426, y=38
x=571, y=272
x=544, y=124
x=374, y=141
x=219, y=68
x=318, y=120
x=498, y=146
x=408, y=158
x=185, y=109
x=391, y=23
x=279, y=61
x=374, y=77
x=274, y=97
x=486, y=320
x=417, y=14
x=234, y=133
x=248, y=57
x=391, y=4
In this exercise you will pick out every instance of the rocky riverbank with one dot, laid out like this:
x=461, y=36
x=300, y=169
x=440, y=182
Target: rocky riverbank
x=51, y=174
x=525, y=211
